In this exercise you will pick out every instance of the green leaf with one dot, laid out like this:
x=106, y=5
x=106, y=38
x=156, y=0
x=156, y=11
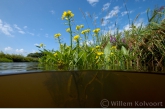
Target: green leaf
x=107, y=50
x=124, y=50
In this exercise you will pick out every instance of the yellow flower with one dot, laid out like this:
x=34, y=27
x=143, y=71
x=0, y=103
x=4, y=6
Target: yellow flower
x=55, y=54
x=68, y=29
x=85, y=31
x=41, y=45
x=97, y=57
x=82, y=26
x=97, y=47
x=93, y=49
x=76, y=37
x=68, y=14
x=113, y=47
x=112, y=53
x=78, y=27
x=57, y=35
x=96, y=30
x=99, y=53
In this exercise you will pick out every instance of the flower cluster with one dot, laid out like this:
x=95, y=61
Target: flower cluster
x=85, y=31
x=97, y=47
x=113, y=47
x=68, y=30
x=67, y=15
x=76, y=37
x=78, y=27
x=55, y=54
x=112, y=39
x=96, y=31
x=41, y=45
x=99, y=53
x=57, y=35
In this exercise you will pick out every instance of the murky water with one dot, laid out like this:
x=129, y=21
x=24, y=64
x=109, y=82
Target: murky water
x=18, y=67
x=82, y=89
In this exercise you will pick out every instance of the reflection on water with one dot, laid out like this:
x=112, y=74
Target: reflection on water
x=18, y=67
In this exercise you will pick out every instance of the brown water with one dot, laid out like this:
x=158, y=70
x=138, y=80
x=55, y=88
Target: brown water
x=82, y=89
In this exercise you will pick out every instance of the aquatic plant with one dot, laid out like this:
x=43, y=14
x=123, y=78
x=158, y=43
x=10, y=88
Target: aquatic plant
x=122, y=50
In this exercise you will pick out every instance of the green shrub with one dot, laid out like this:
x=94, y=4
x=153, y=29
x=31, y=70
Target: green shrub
x=5, y=60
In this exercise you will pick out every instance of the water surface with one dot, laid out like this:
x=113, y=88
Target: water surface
x=18, y=67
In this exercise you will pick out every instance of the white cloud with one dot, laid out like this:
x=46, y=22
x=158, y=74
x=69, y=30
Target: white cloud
x=25, y=27
x=126, y=27
x=34, y=51
x=22, y=32
x=8, y=49
x=46, y=35
x=143, y=12
x=52, y=11
x=5, y=28
x=19, y=29
x=137, y=24
x=36, y=44
x=31, y=33
x=88, y=42
x=95, y=17
x=20, y=50
x=106, y=6
x=112, y=13
x=125, y=12
x=93, y=2
x=105, y=22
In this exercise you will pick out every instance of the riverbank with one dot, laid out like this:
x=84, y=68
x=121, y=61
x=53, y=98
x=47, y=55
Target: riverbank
x=16, y=58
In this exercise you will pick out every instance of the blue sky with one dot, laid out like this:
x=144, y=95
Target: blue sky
x=26, y=23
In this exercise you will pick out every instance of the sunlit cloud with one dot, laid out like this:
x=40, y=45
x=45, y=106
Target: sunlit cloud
x=5, y=28
x=46, y=35
x=25, y=27
x=52, y=11
x=137, y=24
x=105, y=22
x=93, y=2
x=20, y=50
x=106, y=6
x=8, y=49
x=112, y=13
x=125, y=12
x=19, y=29
x=30, y=33
x=36, y=44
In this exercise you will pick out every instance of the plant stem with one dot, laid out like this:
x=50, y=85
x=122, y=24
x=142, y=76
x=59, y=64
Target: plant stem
x=71, y=36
